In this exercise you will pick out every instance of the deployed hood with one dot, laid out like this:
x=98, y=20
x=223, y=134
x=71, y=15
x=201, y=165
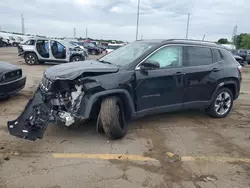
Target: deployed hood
x=70, y=71
x=7, y=67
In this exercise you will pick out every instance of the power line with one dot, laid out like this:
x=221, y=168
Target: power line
x=187, y=26
x=138, y=14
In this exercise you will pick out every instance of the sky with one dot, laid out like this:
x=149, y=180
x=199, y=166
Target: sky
x=116, y=19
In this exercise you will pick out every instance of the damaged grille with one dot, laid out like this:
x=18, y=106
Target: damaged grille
x=46, y=84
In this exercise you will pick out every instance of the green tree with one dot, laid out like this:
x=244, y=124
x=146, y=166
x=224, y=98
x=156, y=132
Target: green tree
x=245, y=42
x=238, y=40
x=223, y=41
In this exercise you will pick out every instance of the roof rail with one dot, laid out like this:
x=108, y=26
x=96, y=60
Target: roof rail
x=191, y=40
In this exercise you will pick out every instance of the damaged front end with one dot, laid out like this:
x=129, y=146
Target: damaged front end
x=57, y=101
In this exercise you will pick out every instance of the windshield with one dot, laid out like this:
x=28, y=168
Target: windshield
x=126, y=54
x=91, y=44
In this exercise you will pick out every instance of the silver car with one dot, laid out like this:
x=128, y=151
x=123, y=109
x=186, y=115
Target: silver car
x=40, y=50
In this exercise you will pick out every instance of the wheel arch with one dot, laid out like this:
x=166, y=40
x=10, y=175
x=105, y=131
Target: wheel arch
x=93, y=104
x=232, y=83
x=76, y=55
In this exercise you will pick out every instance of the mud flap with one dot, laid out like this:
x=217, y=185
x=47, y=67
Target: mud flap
x=33, y=121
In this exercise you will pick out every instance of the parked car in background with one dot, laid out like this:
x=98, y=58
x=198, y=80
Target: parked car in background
x=248, y=57
x=142, y=78
x=237, y=58
x=242, y=53
x=11, y=79
x=92, y=49
x=112, y=47
x=40, y=50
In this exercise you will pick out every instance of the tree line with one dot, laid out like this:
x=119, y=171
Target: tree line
x=241, y=41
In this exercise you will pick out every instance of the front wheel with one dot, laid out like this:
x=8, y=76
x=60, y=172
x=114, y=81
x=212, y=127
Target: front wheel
x=31, y=59
x=222, y=104
x=112, y=118
x=77, y=58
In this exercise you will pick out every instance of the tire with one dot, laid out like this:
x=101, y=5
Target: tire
x=31, y=58
x=222, y=104
x=93, y=52
x=77, y=58
x=112, y=118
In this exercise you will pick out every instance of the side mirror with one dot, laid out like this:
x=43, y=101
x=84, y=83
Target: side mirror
x=150, y=65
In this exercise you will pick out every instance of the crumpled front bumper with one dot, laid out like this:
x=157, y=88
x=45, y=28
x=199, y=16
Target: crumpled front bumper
x=33, y=121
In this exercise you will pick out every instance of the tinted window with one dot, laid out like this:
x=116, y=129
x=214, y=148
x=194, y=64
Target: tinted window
x=217, y=55
x=168, y=57
x=30, y=42
x=198, y=56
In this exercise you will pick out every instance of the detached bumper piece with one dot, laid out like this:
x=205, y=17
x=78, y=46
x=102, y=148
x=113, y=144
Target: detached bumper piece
x=33, y=121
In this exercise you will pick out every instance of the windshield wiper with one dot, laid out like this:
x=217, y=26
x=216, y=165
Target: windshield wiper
x=102, y=61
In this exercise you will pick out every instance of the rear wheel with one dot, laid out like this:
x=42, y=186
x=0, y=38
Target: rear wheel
x=222, y=104
x=112, y=118
x=31, y=59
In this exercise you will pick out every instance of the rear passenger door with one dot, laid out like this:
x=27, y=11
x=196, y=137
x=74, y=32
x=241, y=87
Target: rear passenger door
x=202, y=72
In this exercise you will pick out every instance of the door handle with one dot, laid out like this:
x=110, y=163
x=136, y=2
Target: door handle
x=179, y=73
x=216, y=69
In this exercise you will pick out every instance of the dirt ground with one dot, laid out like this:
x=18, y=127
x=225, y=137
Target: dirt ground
x=181, y=150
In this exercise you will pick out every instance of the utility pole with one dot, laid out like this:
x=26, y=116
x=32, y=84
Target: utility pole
x=22, y=22
x=74, y=32
x=141, y=36
x=234, y=35
x=187, y=26
x=86, y=33
x=138, y=14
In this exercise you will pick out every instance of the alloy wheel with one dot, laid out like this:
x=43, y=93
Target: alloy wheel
x=223, y=103
x=30, y=59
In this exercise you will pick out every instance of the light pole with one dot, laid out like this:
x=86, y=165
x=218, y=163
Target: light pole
x=138, y=14
x=187, y=26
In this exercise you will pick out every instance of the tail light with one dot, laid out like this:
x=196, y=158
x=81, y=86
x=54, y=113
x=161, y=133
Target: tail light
x=240, y=68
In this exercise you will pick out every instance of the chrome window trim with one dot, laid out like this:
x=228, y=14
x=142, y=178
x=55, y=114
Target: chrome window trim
x=138, y=66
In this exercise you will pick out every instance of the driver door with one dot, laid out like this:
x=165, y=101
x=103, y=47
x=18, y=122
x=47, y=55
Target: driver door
x=160, y=89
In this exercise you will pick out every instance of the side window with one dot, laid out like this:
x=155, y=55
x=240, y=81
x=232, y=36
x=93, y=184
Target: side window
x=217, y=56
x=198, y=56
x=30, y=42
x=168, y=57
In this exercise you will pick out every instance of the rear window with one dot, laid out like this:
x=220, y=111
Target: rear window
x=243, y=51
x=198, y=56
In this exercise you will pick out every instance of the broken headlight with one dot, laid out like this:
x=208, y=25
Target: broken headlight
x=45, y=84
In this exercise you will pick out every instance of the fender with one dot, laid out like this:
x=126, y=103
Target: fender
x=222, y=84
x=87, y=103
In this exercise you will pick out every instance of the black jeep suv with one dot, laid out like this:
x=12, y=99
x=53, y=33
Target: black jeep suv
x=141, y=78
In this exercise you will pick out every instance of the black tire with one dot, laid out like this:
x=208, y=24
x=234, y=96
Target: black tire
x=77, y=58
x=93, y=52
x=31, y=58
x=112, y=118
x=212, y=108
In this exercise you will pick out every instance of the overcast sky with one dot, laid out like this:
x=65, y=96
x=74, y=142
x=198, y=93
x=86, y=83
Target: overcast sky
x=116, y=19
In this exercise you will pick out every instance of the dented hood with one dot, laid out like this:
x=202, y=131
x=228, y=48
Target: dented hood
x=70, y=71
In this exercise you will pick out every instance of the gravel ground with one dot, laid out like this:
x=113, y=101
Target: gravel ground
x=184, y=149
